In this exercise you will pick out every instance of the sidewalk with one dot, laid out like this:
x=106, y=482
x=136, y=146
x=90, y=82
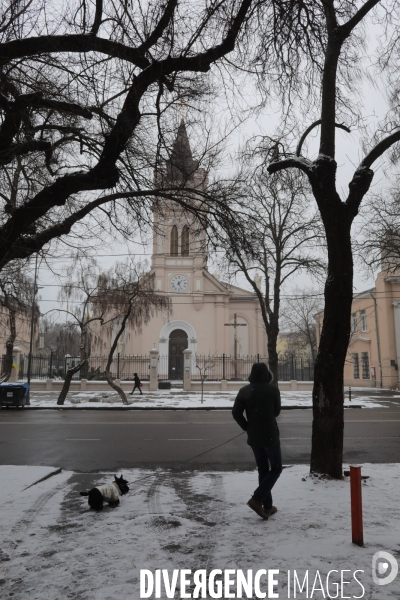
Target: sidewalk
x=54, y=547
x=178, y=399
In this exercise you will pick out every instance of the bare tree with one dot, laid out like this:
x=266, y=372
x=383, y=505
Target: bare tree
x=206, y=365
x=61, y=338
x=86, y=96
x=298, y=317
x=331, y=53
x=277, y=238
x=16, y=292
x=126, y=299
x=80, y=290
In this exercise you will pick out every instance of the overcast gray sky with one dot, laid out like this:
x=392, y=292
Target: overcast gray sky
x=349, y=154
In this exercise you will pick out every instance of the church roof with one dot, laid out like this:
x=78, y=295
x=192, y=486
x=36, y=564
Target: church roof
x=181, y=164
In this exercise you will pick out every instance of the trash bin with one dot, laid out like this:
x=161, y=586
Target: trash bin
x=14, y=394
x=164, y=385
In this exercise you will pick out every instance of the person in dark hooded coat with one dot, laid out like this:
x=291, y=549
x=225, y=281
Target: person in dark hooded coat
x=262, y=403
x=137, y=385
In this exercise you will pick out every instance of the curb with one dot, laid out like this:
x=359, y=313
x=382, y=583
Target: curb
x=171, y=408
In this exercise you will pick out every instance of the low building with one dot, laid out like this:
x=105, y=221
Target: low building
x=23, y=329
x=373, y=356
x=291, y=343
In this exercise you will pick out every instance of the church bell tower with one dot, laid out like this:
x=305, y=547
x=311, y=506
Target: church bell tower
x=179, y=239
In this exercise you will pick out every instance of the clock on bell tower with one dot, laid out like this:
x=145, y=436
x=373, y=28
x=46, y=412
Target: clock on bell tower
x=179, y=241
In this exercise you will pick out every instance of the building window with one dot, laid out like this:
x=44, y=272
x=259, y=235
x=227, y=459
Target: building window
x=353, y=322
x=363, y=320
x=365, y=365
x=356, y=366
x=185, y=241
x=174, y=241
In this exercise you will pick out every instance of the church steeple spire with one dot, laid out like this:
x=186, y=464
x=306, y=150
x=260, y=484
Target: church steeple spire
x=181, y=164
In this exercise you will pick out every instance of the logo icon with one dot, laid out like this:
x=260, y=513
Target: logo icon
x=381, y=561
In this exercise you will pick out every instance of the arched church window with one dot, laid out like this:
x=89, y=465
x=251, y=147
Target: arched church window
x=174, y=241
x=185, y=241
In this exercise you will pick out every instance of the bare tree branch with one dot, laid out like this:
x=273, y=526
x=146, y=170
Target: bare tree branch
x=303, y=164
x=75, y=43
x=107, y=152
x=379, y=149
x=310, y=128
x=97, y=17
x=362, y=12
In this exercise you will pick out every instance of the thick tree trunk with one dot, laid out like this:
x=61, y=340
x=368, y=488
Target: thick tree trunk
x=67, y=382
x=84, y=355
x=327, y=431
x=110, y=381
x=273, y=356
x=116, y=387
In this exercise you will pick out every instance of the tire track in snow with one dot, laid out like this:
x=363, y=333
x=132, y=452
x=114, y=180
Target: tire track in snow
x=206, y=510
x=30, y=515
x=18, y=536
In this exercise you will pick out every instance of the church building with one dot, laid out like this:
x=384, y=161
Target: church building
x=207, y=316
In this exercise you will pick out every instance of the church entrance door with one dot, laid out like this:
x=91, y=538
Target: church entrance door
x=178, y=342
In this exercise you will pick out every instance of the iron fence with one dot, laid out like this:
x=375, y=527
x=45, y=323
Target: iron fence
x=122, y=367
x=163, y=369
x=230, y=368
x=55, y=367
x=43, y=367
x=299, y=368
x=215, y=368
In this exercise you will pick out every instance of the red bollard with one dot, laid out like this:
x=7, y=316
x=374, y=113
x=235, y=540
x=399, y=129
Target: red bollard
x=356, y=506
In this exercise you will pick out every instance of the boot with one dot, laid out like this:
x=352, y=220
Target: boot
x=257, y=506
x=270, y=511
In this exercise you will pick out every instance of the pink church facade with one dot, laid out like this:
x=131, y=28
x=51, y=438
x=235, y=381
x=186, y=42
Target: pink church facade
x=204, y=309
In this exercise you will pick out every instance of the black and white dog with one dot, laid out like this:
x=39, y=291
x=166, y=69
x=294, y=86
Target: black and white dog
x=107, y=493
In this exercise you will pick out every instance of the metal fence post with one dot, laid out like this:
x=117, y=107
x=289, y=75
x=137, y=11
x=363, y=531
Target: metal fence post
x=223, y=367
x=118, y=366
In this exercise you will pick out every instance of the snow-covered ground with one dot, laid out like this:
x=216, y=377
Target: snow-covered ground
x=180, y=399
x=54, y=547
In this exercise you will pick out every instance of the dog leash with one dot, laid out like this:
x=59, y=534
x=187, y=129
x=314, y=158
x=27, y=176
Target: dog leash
x=183, y=462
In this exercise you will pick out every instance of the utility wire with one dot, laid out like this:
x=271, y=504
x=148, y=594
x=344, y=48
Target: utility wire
x=133, y=253
x=293, y=296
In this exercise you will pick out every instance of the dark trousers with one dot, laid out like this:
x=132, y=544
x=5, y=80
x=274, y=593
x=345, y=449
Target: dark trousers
x=269, y=464
x=138, y=387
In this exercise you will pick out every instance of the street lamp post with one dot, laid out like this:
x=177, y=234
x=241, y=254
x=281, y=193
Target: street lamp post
x=32, y=322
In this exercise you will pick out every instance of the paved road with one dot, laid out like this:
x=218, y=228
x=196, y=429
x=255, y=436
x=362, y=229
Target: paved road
x=90, y=441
